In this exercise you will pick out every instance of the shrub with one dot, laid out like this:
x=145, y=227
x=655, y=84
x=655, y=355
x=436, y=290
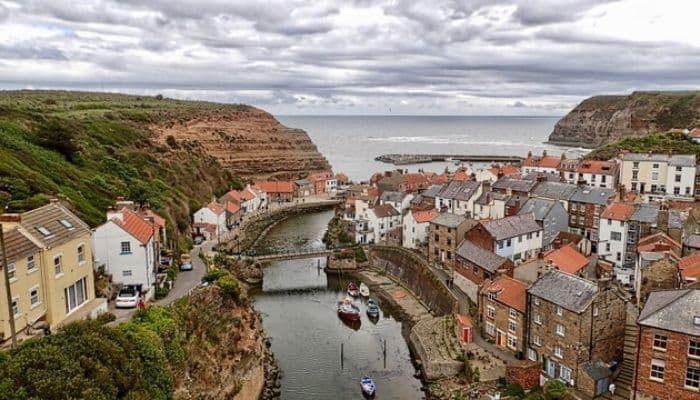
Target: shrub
x=514, y=390
x=554, y=389
x=161, y=292
x=230, y=287
x=214, y=276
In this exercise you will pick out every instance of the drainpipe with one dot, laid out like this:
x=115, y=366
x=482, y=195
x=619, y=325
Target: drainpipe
x=590, y=336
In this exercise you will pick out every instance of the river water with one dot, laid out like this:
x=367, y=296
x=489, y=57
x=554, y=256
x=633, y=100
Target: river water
x=298, y=305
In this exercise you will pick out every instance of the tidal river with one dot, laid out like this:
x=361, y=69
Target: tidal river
x=298, y=302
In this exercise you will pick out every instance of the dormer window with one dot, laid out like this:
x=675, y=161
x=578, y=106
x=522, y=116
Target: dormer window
x=44, y=231
x=66, y=224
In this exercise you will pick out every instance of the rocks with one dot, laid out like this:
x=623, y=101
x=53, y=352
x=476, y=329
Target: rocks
x=273, y=374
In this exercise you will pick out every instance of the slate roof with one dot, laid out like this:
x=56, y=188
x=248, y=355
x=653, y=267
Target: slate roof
x=676, y=218
x=597, y=370
x=483, y=258
x=302, y=182
x=491, y=196
x=18, y=245
x=384, y=211
x=677, y=160
x=672, y=310
x=432, y=191
x=516, y=185
x=449, y=220
x=647, y=213
x=693, y=241
x=48, y=217
x=539, y=207
x=459, y=190
x=554, y=190
x=508, y=227
x=392, y=196
x=592, y=195
x=565, y=290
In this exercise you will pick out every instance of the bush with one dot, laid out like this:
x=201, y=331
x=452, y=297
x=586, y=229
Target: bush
x=554, y=389
x=161, y=292
x=514, y=390
x=214, y=276
x=231, y=288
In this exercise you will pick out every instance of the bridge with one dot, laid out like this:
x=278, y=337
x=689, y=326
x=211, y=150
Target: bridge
x=286, y=255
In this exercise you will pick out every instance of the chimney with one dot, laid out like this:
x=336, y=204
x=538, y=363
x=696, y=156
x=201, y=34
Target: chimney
x=604, y=283
x=563, y=156
x=544, y=153
x=649, y=154
x=112, y=214
x=529, y=154
x=556, y=244
x=10, y=220
x=540, y=255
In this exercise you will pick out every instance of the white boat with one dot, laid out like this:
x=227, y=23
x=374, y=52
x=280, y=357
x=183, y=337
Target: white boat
x=368, y=386
x=364, y=290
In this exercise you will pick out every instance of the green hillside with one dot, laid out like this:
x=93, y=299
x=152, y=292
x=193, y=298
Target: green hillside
x=657, y=143
x=89, y=148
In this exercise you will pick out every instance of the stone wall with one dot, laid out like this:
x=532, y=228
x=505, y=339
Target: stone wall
x=523, y=373
x=413, y=272
x=608, y=334
x=438, y=359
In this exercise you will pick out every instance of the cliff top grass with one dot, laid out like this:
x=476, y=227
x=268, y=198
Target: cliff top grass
x=677, y=143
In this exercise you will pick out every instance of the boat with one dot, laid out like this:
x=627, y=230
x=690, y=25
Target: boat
x=348, y=311
x=353, y=290
x=368, y=386
x=372, y=309
x=364, y=290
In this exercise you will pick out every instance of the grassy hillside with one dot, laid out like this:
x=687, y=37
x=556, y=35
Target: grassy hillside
x=89, y=148
x=657, y=143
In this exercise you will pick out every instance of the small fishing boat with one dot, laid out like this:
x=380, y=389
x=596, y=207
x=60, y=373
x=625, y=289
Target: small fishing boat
x=348, y=311
x=372, y=309
x=364, y=290
x=368, y=386
x=353, y=290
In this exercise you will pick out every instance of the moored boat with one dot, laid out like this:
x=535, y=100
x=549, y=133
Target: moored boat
x=372, y=309
x=368, y=386
x=364, y=290
x=348, y=311
x=353, y=290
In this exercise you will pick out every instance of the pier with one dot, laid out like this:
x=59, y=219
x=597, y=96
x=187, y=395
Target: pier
x=404, y=159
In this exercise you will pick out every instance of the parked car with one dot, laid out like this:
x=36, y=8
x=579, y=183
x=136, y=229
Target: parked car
x=128, y=297
x=186, y=263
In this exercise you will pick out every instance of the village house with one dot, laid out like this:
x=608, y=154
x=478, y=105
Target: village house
x=210, y=221
x=458, y=197
x=490, y=205
x=544, y=163
x=277, y=191
x=502, y=313
x=613, y=241
x=50, y=268
x=574, y=321
x=126, y=245
x=657, y=265
x=592, y=173
x=689, y=269
x=416, y=227
x=474, y=265
x=642, y=223
x=376, y=223
x=517, y=191
x=550, y=214
x=399, y=200
x=694, y=135
x=495, y=173
x=659, y=176
x=303, y=188
x=233, y=214
x=567, y=258
x=415, y=182
x=668, y=360
x=446, y=232
x=560, y=191
x=517, y=238
x=248, y=199
x=391, y=180
x=321, y=181
x=585, y=207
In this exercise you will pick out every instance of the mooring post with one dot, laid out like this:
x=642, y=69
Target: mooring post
x=384, y=351
x=341, y=356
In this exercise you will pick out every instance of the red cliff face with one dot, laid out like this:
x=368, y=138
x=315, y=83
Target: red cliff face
x=249, y=142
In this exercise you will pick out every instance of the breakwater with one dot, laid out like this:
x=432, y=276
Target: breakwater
x=406, y=159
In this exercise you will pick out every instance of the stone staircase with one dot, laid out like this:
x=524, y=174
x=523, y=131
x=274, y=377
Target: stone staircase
x=625, y=379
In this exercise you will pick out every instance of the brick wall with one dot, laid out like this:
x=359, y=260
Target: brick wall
x=523, y=373
x=676, y=360
x=662, y=274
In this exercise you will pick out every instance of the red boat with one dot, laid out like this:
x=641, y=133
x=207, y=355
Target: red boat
x=348, y=311
x=353, y=290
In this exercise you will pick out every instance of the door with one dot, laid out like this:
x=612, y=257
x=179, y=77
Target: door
x=551, y=368
x=602, y=386
x=500, y=338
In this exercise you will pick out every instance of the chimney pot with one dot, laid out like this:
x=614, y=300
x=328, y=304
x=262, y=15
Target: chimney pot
x=11, y=217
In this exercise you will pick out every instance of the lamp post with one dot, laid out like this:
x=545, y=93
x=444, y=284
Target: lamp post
x=10, y=312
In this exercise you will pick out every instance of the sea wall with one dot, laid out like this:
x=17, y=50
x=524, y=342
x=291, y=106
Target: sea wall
x=413, y=272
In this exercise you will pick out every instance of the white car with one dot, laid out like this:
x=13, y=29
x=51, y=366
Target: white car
x=128, y=297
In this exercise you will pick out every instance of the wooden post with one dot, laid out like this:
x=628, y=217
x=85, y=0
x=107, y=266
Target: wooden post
x=7, y=287
x=341, y=355
x=384, y=351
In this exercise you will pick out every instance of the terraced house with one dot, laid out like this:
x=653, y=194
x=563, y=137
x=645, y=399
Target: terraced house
x=52, y=271
x=517, y=238
x=502, y=313
x=658, y=176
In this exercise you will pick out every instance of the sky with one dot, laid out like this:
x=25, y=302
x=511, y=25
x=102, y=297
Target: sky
x=481, y=57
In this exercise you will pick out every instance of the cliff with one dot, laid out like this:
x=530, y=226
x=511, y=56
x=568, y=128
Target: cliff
x=601, y=120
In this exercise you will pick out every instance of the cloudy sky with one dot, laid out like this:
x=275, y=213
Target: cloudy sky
x=529, y=57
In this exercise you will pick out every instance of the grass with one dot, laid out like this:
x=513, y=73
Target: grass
x=657, y=143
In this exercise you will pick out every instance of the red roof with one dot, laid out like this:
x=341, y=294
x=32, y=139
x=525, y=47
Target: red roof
x=135, y=226
x=232, y=207
x=464, y=320
x=275, y=186
x=461, y=176
x=695, y=133
x=425, y=216
x=542, y=161
x=506, y=169
x=511, y=292
x=658, y=242
x=597, y=167
x=416, y=180
x=215, y=207
x=157, y=219
x=567, y=259
x=440, y=179
x=689, y=261
x=247, y=195
x=618, y=211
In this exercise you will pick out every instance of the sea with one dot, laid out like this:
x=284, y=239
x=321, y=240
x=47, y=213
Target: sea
x=350, y=143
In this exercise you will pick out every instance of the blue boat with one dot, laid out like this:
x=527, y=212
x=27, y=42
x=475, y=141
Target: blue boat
x=368, y=386
x=372, y=309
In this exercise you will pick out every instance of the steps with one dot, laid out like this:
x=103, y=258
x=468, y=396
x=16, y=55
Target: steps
x=625, y=378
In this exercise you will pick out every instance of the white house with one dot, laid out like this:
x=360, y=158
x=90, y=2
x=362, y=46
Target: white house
x=399, y=200
x=490, y=205
x=517, y=237
x=544, y=164
x=612, y=244
x=416, y=226
x=494, y=173
x=658, y=176
x=125, y=245
x=593, y=173
x=458, y=197
x=375, y=223
x=213, y=214
x=331, y=185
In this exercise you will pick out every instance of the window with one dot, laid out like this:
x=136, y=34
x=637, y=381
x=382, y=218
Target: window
x=609, y=222
x=677, y=178
x=634, y=186
x=537, y=301
x=11, y=272
x=529, y=236
x=126, y=272
x=512, y=341
x=490, y=329
x=617, y=236
x=660, y=342
x=694, y=349
x=126, y=247
x=558, y=352
x=513, y=313
x=561, y=331
x=602, y=179
x=81, y=253
x=66, y=224
x=512, y=325
x=607, y=247
x=692, y=378
x=537, y=341
x=75, y=295
x=657, y=370
x=58, y=265
x=635, y=164
x=679, y=169
x=34, y=296
x=15, y=308
x=635, y=175
x=676, y=190
x=618, y=256
x=565, y=373
x=490, y=312
x=508, y=243
x=538, y=319
x=531, y=355
x=500, y=244
x=520, y=238
x=653, y=188
x=31, y=264
x=559, y=311
x=655, y=166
